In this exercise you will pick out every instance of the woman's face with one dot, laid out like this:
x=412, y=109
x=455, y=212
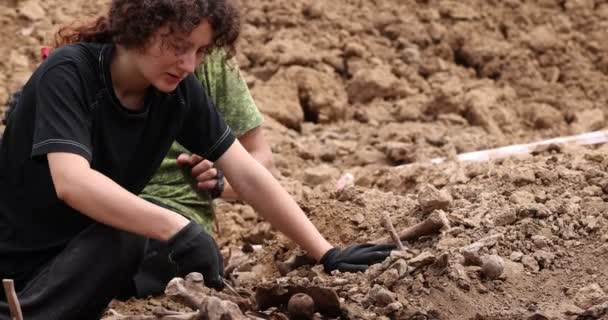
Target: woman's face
x=168, y=59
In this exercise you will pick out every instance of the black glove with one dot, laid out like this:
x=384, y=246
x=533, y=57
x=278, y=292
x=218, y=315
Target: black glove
x=355, y=258
x=194, y=250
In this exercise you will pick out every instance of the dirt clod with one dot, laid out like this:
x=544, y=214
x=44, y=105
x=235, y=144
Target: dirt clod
x=430, y=198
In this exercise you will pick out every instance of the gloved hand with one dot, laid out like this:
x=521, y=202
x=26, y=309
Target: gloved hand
x=355, y=258
x=194, y=250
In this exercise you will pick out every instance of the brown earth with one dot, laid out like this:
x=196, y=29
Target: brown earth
x=367, y=87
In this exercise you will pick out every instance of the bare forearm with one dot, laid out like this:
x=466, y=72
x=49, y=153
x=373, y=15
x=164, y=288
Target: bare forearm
x=100, y=198
x=264, y=193
x=264, y=158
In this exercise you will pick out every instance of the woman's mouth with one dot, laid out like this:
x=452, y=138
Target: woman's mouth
x=173, y=78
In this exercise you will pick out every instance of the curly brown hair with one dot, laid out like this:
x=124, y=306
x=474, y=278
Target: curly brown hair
x=131, y=23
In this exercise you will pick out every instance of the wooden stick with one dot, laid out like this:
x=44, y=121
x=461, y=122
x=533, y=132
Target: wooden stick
x=385, y=221
x=11, y=298
x=436, y=221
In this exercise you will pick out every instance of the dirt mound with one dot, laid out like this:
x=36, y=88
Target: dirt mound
x=370, y=87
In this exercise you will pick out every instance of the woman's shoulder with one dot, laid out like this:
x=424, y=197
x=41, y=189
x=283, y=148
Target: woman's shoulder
x=81, y=55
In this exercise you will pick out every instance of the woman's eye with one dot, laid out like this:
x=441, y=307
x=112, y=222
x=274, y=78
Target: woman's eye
x=180, y=50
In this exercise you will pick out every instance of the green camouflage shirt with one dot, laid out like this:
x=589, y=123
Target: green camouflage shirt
x=224, y=84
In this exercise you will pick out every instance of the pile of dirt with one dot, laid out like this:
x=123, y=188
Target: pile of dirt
x=376, y=88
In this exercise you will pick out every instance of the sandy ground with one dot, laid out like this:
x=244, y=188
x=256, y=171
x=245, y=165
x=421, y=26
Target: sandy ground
x=377, y=88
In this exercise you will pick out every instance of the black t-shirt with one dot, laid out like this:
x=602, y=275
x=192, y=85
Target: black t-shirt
x=69, y=105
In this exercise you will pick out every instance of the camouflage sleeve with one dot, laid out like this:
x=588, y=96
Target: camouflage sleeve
x=224, y=83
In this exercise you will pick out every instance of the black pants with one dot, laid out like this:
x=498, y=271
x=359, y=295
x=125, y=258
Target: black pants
x=154, y=273
x=80, y=281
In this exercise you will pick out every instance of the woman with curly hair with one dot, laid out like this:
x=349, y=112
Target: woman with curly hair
x=93, y=124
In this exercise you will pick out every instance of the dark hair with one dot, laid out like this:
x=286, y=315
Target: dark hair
x=131, y=23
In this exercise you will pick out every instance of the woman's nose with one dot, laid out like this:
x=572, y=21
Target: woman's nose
x=188, y=62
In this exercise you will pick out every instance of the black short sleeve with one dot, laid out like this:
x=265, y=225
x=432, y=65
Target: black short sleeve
x=204, y=131
x=62, y=122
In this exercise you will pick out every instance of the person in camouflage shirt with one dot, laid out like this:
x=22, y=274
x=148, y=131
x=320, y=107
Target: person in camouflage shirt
x=229, y=92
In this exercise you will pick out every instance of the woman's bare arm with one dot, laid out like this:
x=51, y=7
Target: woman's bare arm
x=103, y=200
x=254, y=142
x=263, y=192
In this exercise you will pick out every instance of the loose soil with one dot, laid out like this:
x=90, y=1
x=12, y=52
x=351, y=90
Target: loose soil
x=376, y=89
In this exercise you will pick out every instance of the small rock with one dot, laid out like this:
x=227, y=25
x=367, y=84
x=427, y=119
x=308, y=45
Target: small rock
x=354, y=49
x=588, y=120
x=543, y=38
x=154, y=302
x=570, y=309
x=421, y=260
x=31, y=10
x=579, y=4
x=522, y=175
x=540, y=242
x=18, y=60
x=462, y=278
x=319, y=175
x=380, y=296
x=482, y=289
x=537, y=210
x=401, y=267
x=369, y=155
x=431, y=199
x=592, y=191
x=522, y=197
x=569, y=234
x=590, y=223
x=589, y=296
x=378, y=82
x=4, y=96
x=457, y=10
x=279, y=98
x=505, y=217
x=357, y=218
x=512, y=269
x=516, y=256
x=314, y=10
x=530, y=263
x=411, y=55
x=492, y=266
x=603, y=249
x=393, y=308
x=472, y=257
x=388, y=278
x=301, y=306
x=544, y=116
x=260, y=233
x=400, y=152
x=478, y=112
x=545, y=259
